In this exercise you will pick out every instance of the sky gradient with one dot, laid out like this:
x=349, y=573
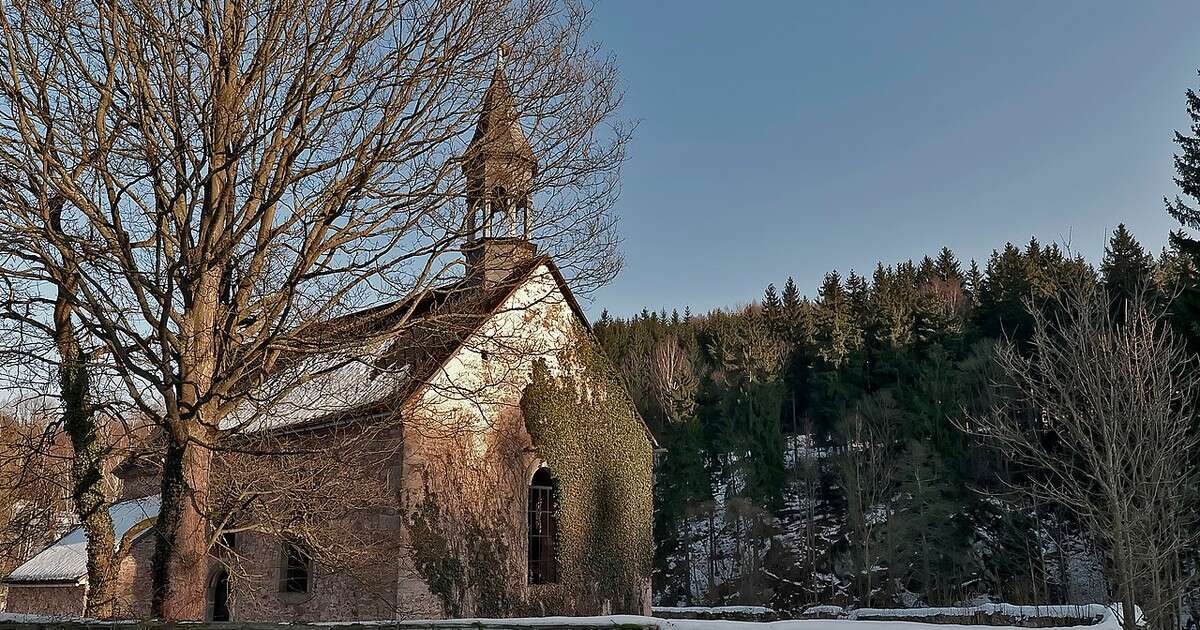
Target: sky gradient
x=792, y=138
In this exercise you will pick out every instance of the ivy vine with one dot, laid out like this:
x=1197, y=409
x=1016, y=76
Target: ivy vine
x=584, y=425
x=586, y=428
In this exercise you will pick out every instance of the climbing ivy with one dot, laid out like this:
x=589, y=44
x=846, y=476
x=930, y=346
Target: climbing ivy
x=585, y=426
x=468, y=573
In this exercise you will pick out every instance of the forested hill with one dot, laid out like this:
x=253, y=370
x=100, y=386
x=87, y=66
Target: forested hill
x=759, y=498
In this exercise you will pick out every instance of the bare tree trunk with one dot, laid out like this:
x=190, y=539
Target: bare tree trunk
x=87, y=478
x=180, y=565
x=87, y=466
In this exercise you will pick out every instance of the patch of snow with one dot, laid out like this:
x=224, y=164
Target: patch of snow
x=714, y=610
x=27, y=618
x=825, y=610
x=66, y=559
x=1109, y=620
x=318, y=385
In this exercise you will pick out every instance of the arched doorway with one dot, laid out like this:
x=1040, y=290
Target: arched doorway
x=218, y=596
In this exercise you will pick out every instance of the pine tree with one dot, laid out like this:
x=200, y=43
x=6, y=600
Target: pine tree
x=772, y=306
x=1126, y=267
x=834, y=335
x=1170, y=272
x=931, y=548
x=751, y=359
x=926, y=270
x=946, y=266
x=857, y=297
x=974, y=282
x=1005, y=287
x=1186, y=306
x=791, y=298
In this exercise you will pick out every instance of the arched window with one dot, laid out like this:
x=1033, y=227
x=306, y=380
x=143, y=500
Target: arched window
x=543, y=528
x=295, y=570
x=218, y=596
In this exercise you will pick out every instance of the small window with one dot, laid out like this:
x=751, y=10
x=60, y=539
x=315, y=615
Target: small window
x=218, y=597
x=543, y=528
x=485, y=355
x=295, y=572
x=395, y=479
x=229, y=541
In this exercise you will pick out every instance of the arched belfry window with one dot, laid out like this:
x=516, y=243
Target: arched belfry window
x=543, y=528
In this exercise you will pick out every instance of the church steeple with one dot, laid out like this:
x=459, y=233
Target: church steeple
x=499, y=165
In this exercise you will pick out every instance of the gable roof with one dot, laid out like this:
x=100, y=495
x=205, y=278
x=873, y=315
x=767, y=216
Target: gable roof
x=439, y=323
x=375, y=376
x=65, y=561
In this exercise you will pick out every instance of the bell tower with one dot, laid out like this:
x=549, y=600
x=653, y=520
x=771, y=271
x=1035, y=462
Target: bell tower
x=499, y=166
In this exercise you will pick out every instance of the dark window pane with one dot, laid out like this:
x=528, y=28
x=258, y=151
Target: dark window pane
x=296, y=570
x=542, y=523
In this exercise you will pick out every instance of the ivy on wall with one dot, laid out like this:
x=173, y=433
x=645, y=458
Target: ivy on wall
x=585, y=426
x=468, y=572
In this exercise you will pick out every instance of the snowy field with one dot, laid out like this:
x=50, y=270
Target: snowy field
x=1094, y=616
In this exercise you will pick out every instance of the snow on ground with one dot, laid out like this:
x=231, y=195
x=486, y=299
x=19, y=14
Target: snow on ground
x=1084, y=611
x=1110, y=619
x=714, y=610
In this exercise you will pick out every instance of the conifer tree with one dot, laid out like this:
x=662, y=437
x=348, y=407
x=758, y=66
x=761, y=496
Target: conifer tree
x=1170, y=272
x=793, y=326
x=974, y=282
x=1005, y=287
x=1126, y=268
x=926, y=270
x=834, y=337
x=772, y=305
x=946, y=266
x=1186, y=306
x=791, y=299
x=857, y=297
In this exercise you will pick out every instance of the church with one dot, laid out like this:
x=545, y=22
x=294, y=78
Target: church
x=515, y=472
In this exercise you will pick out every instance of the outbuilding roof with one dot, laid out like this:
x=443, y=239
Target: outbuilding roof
x=65, y=561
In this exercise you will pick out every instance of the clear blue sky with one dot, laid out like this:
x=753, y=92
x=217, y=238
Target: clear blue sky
x=791, y=138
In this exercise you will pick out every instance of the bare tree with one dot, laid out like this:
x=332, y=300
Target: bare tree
x=50, y=360
x=868, y=468
x=674, y=378
x=1103, y=409
x=329, y=492
x=33, y=487
x=235, y=175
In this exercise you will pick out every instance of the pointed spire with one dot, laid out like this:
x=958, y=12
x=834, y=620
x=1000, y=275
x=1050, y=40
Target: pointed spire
x=499, y=167
x=499, y=129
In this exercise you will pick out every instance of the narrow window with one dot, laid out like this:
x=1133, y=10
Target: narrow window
x=218, y=597
x=543, y=529
x=295, y=572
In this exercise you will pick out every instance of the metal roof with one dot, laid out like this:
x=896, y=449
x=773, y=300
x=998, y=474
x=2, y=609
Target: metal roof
x=65, y=561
